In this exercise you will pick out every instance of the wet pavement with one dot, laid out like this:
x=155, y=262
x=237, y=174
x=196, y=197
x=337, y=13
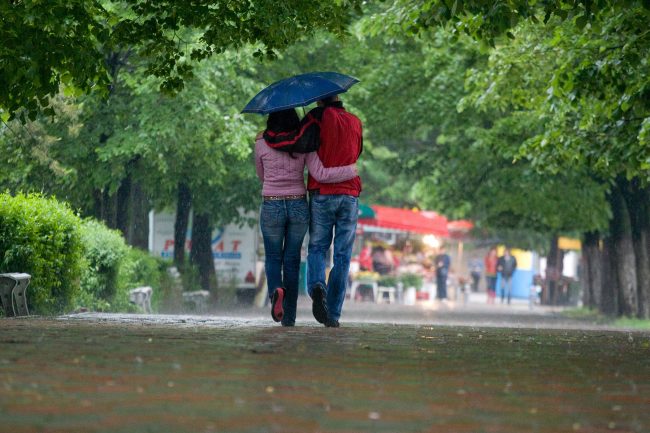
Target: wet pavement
x=389, y=368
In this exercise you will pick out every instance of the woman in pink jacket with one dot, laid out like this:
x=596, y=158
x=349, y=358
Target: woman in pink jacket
x=284, y=217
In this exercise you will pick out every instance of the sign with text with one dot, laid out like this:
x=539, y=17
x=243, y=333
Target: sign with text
x=234, y=248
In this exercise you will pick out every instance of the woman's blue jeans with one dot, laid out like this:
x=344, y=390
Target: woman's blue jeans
x=284, y=224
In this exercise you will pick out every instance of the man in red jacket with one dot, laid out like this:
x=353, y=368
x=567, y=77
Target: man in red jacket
x=334, y=210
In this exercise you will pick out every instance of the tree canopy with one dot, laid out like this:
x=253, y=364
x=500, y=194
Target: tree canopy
x=65, y=42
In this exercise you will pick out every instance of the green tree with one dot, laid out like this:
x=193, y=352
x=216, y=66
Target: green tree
x=54, y=42
x=117, y=158
x=587, y=88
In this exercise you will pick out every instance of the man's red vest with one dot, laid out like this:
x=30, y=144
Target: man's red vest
x=340, y=144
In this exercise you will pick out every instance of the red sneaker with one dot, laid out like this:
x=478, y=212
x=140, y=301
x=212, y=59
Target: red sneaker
x=277, y=311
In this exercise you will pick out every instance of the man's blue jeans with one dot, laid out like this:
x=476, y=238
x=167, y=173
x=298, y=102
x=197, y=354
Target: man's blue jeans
x=441, y=285
x=284, y=224
x=331, y=216
x=506, y=288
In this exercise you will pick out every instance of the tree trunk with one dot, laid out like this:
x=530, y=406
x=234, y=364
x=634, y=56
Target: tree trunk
x=592, y=277
x=636, y=199
x=138, y=233
x=609, y=299
x=553, y=271
x=122, y=211
x=98, y=204
x=201, y=254
x=623, y=253
x=109, y=205
x=183, y=207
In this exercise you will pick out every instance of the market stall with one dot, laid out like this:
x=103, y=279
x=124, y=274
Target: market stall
x=395, y=253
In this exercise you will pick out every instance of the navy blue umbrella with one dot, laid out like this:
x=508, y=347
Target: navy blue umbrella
x=298, y=91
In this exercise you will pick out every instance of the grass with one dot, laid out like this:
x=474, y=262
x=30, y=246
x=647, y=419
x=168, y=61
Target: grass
x=592, y=315
x=630, y=322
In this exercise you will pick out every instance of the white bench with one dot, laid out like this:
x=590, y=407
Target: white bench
x=141, y=296
x=354, y=288
x=390, y=291
x=13, y=288
x=197, y=301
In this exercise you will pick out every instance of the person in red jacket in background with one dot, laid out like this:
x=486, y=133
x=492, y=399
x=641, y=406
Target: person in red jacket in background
x=491, y=259
x=365, y=257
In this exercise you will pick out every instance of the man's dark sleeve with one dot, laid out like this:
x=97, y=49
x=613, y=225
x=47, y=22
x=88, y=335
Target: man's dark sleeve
x=303, y=140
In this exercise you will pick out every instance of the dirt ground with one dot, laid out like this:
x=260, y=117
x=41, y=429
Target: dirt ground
x=389, y=368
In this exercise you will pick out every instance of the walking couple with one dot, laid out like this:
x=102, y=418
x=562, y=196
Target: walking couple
x=328, y=141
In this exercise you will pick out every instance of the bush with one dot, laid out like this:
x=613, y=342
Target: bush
x=41, y=236
x=104, y=250
x=139, y=268
x=73, y=262
x=114, y=268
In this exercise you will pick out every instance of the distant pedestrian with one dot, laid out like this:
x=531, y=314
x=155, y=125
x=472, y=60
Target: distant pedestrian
x=490, y=261
x=507, y=265
x=475, y=269
x=381, y=263
x=365, y=257
x=443, y=263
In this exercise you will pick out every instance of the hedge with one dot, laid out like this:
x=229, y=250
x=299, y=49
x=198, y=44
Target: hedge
x=41, y=236
x=74, y=263
x=113, y=269
x=104, y=250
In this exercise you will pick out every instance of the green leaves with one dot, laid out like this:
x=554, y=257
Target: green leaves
x=41, y=41
x=53, y=42
x=486, y=21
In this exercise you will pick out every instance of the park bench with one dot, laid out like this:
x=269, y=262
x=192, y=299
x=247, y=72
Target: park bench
x=197, y=301
x=13, y=288
x=141, y=296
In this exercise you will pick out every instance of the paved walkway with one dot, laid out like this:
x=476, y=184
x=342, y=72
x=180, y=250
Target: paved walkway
x=390, y=368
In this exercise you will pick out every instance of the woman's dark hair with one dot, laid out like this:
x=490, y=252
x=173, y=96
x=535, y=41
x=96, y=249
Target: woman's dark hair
x=283, y=121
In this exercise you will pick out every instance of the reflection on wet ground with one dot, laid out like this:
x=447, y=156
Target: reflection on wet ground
x=239, y=372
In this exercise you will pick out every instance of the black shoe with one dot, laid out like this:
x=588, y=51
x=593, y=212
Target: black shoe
x=331, y=323
x=318, y=305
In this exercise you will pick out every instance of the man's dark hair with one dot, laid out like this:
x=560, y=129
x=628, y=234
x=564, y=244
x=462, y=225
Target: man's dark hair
x=329, y=99
x=284, y=120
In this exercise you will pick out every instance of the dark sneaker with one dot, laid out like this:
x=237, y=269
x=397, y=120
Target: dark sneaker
x=277, y=311
x=318, y=305
x=331, y=323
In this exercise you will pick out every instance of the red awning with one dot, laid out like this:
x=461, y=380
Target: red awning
x=460, y=226
x=413, y=221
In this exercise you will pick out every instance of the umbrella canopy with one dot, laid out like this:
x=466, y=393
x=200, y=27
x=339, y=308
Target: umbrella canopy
x=298, y=91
